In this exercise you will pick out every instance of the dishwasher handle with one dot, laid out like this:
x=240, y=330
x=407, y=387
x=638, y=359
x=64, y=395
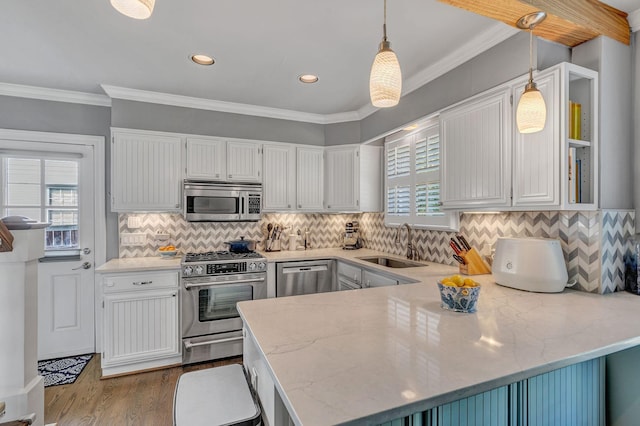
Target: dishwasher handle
x=303, y=269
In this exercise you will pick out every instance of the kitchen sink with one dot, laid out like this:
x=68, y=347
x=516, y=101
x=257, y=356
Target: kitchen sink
x=391, y=263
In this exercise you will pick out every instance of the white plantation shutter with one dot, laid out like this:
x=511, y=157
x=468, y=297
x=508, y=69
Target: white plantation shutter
x=412, y=180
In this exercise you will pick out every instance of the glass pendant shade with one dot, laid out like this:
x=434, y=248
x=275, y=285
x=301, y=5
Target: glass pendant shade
x=531, y=114
x=385, y=83
x=136, y=9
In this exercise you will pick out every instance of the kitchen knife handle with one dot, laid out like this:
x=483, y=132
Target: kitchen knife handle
x=464, y=242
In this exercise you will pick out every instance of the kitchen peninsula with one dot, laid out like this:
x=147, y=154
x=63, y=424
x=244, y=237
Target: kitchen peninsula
x=370, y=356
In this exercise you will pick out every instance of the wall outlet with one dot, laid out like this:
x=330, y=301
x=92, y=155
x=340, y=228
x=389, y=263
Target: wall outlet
x=134, y=222
x=133, y=239
x=161, y=236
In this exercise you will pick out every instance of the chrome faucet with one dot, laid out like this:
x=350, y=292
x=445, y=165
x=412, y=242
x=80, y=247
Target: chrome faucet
x=412, y=251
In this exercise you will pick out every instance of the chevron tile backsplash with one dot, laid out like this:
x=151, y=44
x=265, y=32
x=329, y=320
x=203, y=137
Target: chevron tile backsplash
x=593, y=242
x=325, y=230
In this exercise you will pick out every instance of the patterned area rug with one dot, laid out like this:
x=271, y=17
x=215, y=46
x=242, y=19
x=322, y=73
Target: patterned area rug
x=62, y=371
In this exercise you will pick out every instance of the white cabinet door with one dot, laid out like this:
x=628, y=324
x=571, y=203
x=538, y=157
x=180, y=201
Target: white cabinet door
x=536, y=166
x=342, y=178
x=206, y=158
x=140, y=326
x=244, y=161
x=371, y=279
x=310, y=178
x=279, y=180
x=146, y=172
x=476, y=136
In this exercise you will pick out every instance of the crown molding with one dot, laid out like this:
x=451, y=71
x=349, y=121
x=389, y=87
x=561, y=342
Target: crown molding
x=480, y=43
x=231, y=107
x=56, y=95
x=634, y=20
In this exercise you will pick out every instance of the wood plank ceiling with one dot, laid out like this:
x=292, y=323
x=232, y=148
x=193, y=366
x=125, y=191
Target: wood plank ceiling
x=569, y=22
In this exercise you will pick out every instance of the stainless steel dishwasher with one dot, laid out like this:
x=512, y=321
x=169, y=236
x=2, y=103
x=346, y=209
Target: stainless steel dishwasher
x=305, y=277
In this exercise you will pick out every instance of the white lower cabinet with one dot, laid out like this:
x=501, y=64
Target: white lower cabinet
x=373, y=279
x=274, y=411
x=140, y=321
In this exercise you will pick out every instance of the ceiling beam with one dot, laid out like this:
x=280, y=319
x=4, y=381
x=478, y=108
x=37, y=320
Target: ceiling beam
x=569, y=22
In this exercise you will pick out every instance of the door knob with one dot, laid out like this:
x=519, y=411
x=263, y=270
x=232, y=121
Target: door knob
x=85, y=265
x=86, y=250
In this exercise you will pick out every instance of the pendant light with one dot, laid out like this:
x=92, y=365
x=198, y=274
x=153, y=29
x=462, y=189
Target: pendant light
x=531, y=114
x=385, y=82
x=136, y=9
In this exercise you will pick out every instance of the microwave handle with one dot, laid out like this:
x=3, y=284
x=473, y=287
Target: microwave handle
x=242, y=201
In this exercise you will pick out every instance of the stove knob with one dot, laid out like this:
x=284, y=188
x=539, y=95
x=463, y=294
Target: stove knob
x=252, y=266
x=188, y=270
x=261, y=265
x=199, y=270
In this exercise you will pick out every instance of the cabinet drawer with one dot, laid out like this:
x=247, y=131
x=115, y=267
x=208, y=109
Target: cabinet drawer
x=139, y=281
x=350, y=271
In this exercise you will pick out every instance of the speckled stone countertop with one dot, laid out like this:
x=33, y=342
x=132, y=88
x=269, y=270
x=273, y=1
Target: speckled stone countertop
x=140, y=264
x=381, y=353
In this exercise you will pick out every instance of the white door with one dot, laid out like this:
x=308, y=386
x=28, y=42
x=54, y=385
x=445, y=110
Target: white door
x=58, y=188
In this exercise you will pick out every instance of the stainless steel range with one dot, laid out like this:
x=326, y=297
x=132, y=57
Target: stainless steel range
x=211, y=285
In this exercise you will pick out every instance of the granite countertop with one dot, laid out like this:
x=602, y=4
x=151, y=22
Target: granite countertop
x=382, y=353
x=140, y=264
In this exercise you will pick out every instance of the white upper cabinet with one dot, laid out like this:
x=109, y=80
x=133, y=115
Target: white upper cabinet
x=244, y=161
x=476, y=151
x=206, y=158
x=488, y=163
x=279, y=177
x=536, y=156
x=310, y=178
x=342, y=178
x=224, y=160
x=353, y=179
x=146, y=171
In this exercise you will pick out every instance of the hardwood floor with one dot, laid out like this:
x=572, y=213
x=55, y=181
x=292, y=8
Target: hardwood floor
x=137, y=399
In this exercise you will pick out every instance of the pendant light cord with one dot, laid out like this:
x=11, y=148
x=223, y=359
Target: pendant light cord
x=384, y=25
x=530, y=54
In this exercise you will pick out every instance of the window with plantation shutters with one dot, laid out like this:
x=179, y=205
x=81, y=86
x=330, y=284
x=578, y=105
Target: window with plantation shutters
x=412, y=179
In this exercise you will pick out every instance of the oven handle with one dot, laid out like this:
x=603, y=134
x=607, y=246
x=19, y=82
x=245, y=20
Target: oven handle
x=188, y=345
x=210, y=284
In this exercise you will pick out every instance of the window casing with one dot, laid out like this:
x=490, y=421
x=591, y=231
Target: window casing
x=412, y=180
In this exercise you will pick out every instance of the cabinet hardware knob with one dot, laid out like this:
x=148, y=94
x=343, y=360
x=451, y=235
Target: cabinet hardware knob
x=230, y=177
x=86, y=250
x=328, y=207
x=288, y=206
x=217, y=175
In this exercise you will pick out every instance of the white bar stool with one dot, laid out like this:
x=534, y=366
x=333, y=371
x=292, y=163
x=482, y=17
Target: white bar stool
x=215, y=396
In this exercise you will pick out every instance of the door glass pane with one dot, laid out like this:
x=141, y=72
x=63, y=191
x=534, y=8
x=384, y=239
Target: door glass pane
x=220, y=302
x=23, y=182
x=61, y=191
x=27, y=212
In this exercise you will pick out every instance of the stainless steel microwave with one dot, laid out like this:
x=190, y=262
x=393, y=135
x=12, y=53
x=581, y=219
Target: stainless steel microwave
x=221, y=202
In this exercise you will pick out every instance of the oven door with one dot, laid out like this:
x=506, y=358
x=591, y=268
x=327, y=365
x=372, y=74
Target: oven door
x=209, y=303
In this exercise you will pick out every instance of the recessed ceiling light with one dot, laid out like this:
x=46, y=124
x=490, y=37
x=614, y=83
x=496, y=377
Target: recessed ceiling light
x=202, y=59
x=308, y=78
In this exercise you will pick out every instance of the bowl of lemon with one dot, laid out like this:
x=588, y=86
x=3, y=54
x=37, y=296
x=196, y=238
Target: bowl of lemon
x=167, y=252
x=459, y=294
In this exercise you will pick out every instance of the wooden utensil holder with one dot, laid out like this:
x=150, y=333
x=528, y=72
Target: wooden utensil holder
x=475, y=265
x=6, y=238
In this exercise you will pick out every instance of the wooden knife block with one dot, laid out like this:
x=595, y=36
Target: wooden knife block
x=6, y=238
x=475, y=264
